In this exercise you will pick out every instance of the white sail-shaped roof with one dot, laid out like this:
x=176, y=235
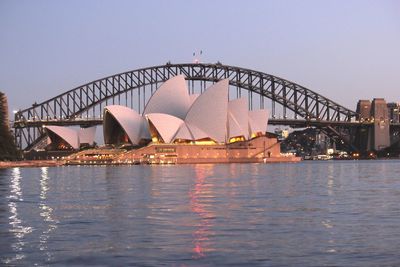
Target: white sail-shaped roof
x=183, y=133
x=193, y=98
x=166, y=125
x=130, y=121
x=209, y=112
x=238, y=118
x=87, y=135
x=196, y=132
x=258, y=121
x=67, y=134
x=171, y=98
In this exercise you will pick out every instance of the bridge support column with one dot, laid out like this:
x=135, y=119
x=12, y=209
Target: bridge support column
x=363, y=140
x=374, y=136
x=381, y=134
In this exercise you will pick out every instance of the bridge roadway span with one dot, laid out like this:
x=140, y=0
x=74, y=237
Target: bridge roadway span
x=294, y=123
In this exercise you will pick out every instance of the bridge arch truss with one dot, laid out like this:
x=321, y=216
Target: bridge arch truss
x=83, y=105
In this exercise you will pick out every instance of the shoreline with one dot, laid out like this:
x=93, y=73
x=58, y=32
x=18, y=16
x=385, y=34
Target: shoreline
x=56, y=163
x=31, y=163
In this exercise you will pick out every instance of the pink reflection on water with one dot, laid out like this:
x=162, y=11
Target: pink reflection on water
x=200, y=197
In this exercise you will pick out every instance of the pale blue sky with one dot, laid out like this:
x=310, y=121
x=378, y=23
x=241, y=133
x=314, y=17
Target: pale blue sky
x=344, y=50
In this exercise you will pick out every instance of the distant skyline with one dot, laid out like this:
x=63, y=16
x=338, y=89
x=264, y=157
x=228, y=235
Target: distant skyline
x=344, y=50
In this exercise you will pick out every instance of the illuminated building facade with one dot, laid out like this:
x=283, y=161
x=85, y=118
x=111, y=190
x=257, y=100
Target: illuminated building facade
x=176, y=127
x=182, y=128
x=65, y=138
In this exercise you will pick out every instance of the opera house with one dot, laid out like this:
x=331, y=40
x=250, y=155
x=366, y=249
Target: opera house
x=67, y=138
x=178, y=127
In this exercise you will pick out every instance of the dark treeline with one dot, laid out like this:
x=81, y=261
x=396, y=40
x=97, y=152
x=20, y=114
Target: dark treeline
x=8, y=150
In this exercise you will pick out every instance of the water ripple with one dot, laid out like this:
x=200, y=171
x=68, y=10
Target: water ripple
x=306, y=214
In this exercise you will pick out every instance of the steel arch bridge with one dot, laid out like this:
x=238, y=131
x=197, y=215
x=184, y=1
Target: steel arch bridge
x=83, y=105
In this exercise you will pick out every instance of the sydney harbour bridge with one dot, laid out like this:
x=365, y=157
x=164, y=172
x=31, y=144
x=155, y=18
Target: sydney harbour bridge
x=289, y=103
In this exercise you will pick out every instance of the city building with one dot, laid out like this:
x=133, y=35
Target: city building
x=283, y=134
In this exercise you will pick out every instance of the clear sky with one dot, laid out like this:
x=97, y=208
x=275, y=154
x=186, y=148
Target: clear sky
x=345, y=50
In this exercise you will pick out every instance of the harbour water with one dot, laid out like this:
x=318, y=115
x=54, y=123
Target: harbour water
x=336, y=213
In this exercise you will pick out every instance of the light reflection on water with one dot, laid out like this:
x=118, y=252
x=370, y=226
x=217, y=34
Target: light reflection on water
x=46, y=213
x=306, y=214
x=201, y=198
x=17, y=225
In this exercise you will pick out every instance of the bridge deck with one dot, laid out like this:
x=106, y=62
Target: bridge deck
x=295, y=123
